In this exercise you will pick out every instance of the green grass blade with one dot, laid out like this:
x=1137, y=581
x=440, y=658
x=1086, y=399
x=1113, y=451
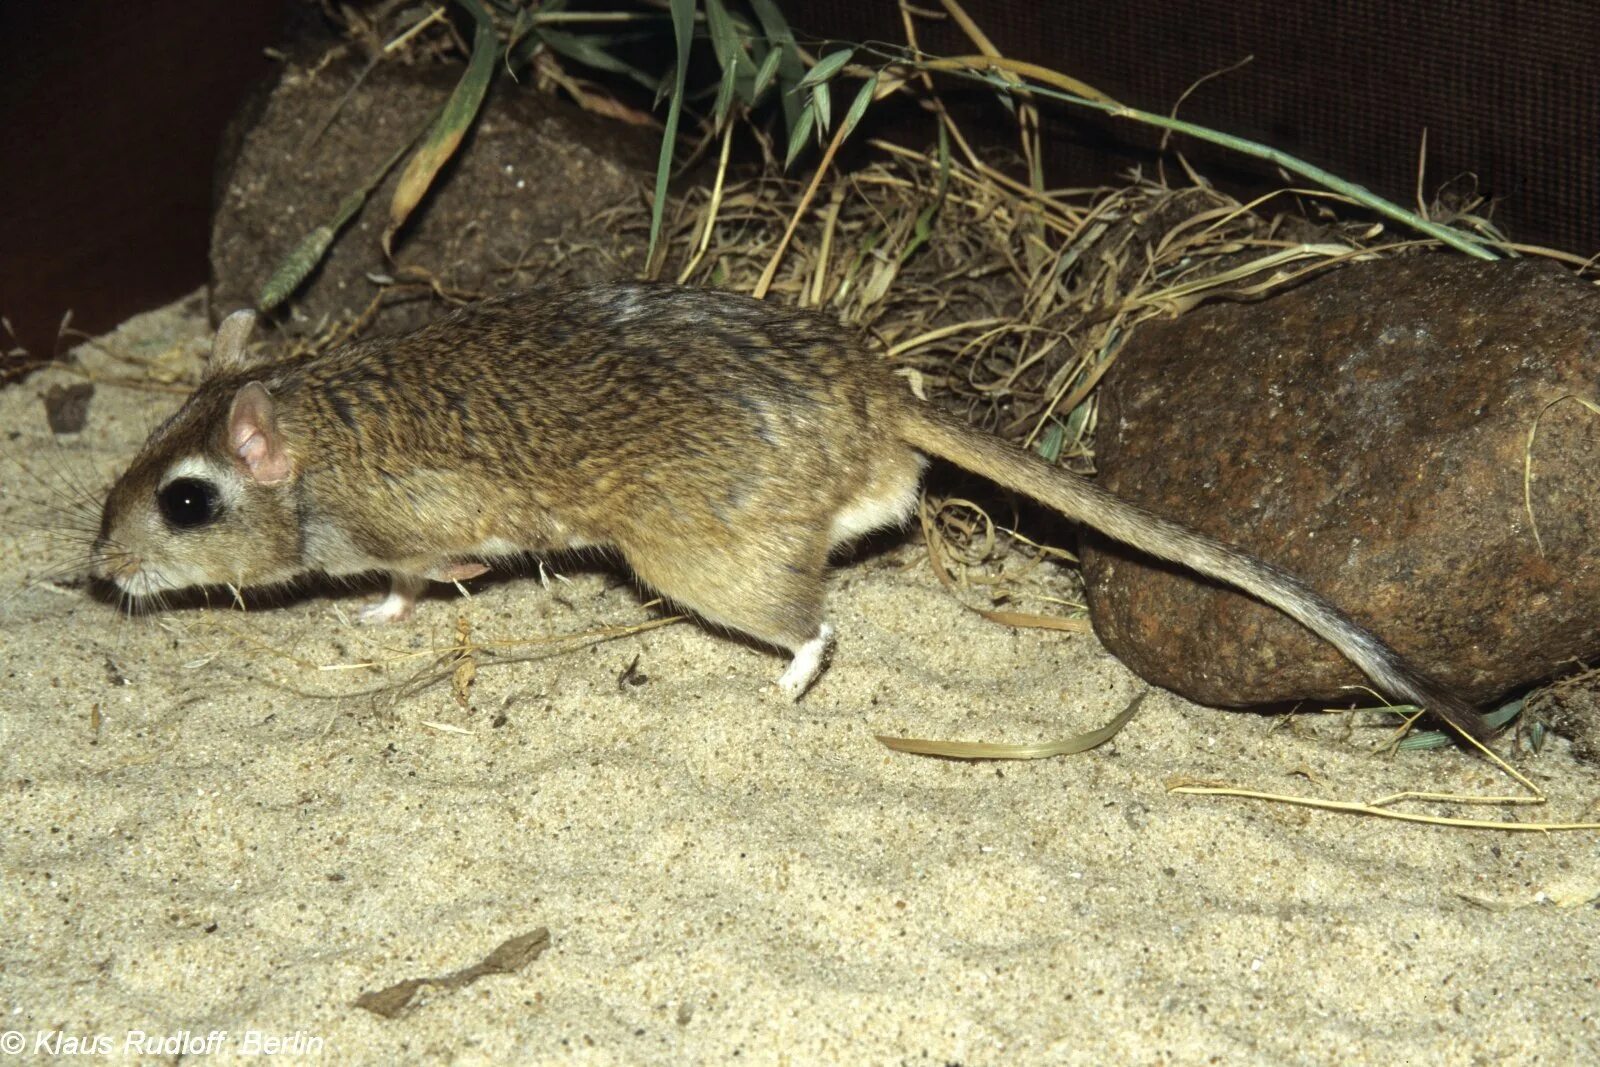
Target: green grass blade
x=923, y=228
x=727, y=91
x=590, y=51
x=800, y=134
x=683, y=33
x=858, y=106
x=790, y=67
x=765, y=73
x=822, y=104
x=826, y=67
x=724, y=39
x=1049, y=445
x=454, y=120
x=1420, y=739
x=520, y=27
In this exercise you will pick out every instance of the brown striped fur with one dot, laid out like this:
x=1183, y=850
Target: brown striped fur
x=722, y=445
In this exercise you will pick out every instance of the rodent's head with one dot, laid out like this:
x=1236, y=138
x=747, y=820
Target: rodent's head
x=208, y=500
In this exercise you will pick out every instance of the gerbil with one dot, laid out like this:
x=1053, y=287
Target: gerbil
x=722, y=445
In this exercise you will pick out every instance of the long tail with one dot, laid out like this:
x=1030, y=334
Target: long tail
x=932, y=431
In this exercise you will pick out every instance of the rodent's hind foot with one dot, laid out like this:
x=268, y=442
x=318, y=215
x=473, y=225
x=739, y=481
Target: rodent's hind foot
x=398, y=605
x=809, y=660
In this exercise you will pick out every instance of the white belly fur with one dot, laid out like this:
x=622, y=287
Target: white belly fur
x=889, y=502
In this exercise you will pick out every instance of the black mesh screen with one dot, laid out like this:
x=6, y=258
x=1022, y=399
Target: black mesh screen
x=1507, y=90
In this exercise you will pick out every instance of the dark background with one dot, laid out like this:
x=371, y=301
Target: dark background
x=113, y=111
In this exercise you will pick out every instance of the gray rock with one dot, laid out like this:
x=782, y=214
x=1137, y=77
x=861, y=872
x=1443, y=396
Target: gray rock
x=1365, y=430
x=532, y=173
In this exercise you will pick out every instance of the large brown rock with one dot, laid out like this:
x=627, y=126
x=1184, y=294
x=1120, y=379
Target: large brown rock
x=515, y=205
x=1366, y=430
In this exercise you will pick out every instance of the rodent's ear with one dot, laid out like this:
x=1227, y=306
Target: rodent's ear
x=228, y=352
x=253, y=435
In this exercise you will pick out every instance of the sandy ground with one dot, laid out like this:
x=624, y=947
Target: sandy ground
x=204, y=830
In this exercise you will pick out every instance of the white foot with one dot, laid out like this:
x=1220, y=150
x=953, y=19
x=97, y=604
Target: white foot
x=808, y=662
x=397, y=606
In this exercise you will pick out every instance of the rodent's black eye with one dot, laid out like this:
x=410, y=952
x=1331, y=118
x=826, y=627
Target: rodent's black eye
x=189, y=502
